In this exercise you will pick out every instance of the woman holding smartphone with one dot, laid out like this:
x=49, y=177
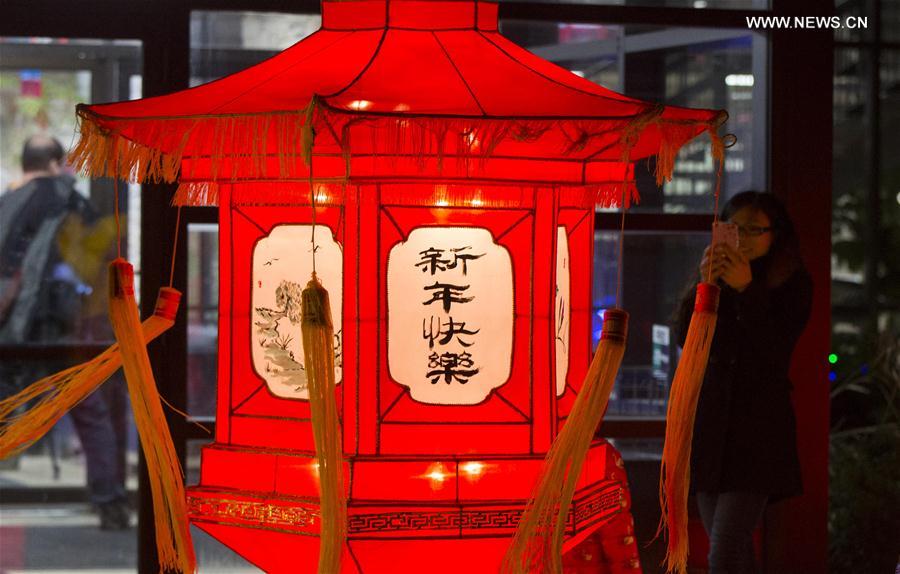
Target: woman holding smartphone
x=744, y=452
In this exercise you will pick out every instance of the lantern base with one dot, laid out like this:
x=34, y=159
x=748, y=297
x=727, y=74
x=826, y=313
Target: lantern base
x=404, y=515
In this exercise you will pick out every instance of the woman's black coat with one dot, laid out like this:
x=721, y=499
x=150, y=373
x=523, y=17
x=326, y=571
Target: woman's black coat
x=745, y=430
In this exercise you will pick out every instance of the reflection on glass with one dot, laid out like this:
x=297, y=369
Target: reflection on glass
x=57, y=232
x=890, y=20
x=226, y=42
x=697, y=4
x=658, y=268
x=592, y=51
x=851, y=170
x=855, y=20
x=202, y=313
x=691, y=67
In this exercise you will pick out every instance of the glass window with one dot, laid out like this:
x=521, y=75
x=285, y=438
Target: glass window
x=852, y=169
x=699, y=4
x=57, y=233
x=223, y=43
x=890, y=20
x=692, y=67
x=857, y=23
x=226, y=42
x=659, y=267
x=202, y=313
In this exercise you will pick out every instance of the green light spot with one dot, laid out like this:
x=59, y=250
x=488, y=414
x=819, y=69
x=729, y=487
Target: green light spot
x=832, y=358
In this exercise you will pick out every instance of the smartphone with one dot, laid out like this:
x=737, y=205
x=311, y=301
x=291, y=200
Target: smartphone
x=725, y=233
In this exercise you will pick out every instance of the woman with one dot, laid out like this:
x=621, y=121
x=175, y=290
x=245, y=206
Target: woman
x=744, y=452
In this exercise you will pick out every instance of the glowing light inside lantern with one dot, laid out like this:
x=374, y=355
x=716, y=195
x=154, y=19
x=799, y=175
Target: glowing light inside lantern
x=440, y=196
x=360, y=105
x=473, y=469
x=437, y=474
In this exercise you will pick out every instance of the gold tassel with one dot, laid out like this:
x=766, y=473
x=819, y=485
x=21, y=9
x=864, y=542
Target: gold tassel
x=675, y=472
x=173, y=538
x=318, y=352
x=538, y=541
x=61, y=391
x=308, y=132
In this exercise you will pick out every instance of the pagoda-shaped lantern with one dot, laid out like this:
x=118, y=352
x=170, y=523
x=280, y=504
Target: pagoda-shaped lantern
x=451, y=178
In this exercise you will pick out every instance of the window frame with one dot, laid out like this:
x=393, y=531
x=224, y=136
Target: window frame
x=163, y=27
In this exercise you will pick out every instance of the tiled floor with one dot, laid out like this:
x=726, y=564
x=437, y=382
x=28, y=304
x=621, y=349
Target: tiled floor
x=57, y=539
x=45, y=538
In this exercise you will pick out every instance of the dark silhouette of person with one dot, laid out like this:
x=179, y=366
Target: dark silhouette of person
x=744, y=451
x=44, y=291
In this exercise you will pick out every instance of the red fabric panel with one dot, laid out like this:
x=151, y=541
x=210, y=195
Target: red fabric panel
x=370, y=329
x=451, y=439
x=516, y=197
x=543, y=333
x=299, y=475
x=358, y=15
x=402, y=58
x=437, y=15
x=217, y=469
x=579, y=224
x=351, y=391
x=408, y=481
x=501, y=480
x=223, y=344
x=406, y=410
x=487, y=16
x=471, y=555
x=275, y=434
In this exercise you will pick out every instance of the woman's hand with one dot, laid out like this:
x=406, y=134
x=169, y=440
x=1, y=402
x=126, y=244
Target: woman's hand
x=734, y=266
x=704, y=267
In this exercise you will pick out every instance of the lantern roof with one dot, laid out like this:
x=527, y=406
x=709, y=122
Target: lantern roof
x=385, y=77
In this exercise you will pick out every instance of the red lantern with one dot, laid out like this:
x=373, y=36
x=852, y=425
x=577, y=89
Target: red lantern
x=451, y=179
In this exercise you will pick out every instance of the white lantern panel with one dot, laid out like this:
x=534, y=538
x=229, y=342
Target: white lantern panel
x=282, y=266
x=450, y=314
x=562, y=308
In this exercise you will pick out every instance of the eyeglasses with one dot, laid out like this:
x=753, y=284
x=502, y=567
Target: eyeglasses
x=753, y=230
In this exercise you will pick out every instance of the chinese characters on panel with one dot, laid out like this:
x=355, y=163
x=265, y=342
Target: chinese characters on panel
x=450, y=314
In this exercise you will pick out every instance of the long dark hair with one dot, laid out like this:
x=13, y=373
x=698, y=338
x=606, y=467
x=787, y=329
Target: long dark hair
x=777, y=266
x=783, y=258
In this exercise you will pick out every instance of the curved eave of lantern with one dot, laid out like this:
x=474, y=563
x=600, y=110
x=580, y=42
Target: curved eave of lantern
x=425, y=98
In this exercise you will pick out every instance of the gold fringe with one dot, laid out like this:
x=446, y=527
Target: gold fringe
x=59, y=392
x=675, y=472
x=279, y=144
x=537, y=544
x=318, y=352
x=197, y=194
x=173, y=537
